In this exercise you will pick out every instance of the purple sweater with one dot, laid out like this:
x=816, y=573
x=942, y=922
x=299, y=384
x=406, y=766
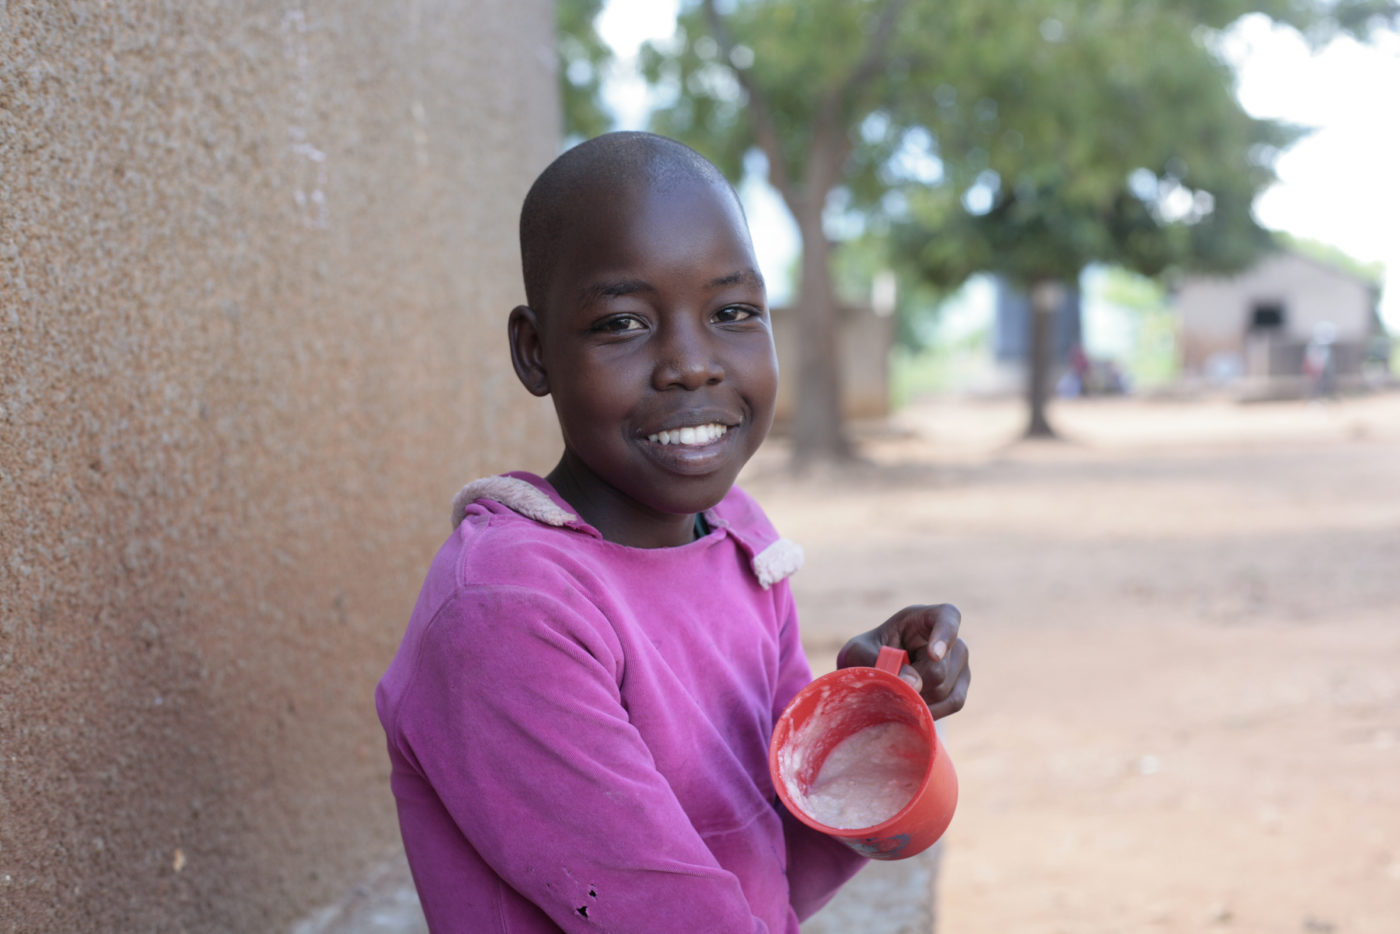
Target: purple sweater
x=578, y=730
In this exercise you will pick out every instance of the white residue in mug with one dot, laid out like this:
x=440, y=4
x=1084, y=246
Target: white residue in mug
x=868, y=777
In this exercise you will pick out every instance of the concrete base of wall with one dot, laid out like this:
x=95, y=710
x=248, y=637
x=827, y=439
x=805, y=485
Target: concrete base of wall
x=385, y=903
x=896, y=897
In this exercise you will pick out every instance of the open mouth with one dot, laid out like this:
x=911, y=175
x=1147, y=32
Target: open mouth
x=695, y=435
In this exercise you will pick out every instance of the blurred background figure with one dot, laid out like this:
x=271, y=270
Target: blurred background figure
x=1318, y=363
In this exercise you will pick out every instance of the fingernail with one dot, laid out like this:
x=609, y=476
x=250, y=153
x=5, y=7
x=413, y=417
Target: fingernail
x=910, y=680
x=940, y=649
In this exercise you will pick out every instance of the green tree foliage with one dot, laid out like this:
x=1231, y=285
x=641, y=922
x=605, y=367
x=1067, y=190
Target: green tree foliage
x=1024, y=136
x=1354, y=17
x=583, y=61
x=1109, y=132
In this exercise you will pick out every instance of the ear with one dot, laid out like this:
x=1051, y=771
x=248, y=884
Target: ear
x=526, y=351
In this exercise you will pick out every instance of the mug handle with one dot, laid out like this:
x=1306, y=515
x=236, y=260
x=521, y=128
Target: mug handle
x=891, y=659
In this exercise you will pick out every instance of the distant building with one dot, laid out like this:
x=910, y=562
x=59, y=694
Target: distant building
x=1254, y=329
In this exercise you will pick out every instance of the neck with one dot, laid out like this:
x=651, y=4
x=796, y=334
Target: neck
x=617, y=518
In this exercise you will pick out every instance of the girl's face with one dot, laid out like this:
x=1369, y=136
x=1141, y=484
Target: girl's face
x=656, y=347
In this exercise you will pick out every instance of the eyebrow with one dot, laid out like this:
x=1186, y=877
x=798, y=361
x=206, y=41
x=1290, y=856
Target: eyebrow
x=614, y=289
x=747, y=276
x=620, y=287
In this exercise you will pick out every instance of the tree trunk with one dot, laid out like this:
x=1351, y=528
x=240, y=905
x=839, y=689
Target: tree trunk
x=1047, y=295
x=818, y=430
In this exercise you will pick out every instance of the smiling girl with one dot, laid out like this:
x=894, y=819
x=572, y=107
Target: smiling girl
x=579, y=715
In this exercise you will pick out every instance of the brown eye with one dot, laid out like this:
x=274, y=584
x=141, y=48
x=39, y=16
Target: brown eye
x=618, y=325
x=734, y=313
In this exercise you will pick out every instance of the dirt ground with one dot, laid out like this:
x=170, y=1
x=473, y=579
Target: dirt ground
x=1185, y=631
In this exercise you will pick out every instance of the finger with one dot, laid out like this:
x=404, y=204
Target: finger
x=910, y=675
x=956, y=698
x=941, y=676
x=940, y=695
x=932, y=671
x=947, y=620
x=915, y=629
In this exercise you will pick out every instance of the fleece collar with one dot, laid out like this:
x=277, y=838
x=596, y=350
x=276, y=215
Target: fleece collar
x=771, y=561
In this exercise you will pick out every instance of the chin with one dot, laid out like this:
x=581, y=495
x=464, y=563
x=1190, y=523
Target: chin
x=691, y=495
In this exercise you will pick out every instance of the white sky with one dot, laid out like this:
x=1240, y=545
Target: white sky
x=1341, y=185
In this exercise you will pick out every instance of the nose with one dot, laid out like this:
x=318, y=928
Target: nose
x=685, y=358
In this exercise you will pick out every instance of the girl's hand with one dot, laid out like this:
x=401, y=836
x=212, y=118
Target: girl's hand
x=938, y=667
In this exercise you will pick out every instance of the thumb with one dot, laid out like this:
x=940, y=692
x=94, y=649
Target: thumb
x=910, y=676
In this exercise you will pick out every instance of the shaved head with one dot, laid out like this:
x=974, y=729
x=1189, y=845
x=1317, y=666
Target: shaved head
x=559, y=203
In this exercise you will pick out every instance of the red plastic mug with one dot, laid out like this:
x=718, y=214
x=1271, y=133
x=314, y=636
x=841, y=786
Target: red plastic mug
x=839, y=705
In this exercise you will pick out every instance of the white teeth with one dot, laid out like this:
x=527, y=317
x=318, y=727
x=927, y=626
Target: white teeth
x=699, y=434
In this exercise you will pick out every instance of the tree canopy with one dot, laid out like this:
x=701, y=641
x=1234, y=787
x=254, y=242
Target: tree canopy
x=583, y=60
x=1024, y=136
x=1104, y=133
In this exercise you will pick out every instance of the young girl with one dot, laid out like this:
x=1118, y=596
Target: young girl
x=579, y=715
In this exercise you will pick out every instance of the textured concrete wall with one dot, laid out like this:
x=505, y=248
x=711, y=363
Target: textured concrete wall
x=255, y=262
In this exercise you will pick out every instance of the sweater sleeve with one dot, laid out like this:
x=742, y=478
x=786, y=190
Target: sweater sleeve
x=818, y=865
x=515, y=718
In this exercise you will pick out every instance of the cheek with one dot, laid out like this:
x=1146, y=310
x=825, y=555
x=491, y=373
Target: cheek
x=591, y=407
x=761, y=374
x=761, y=389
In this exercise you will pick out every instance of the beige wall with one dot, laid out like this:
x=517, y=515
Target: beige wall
x=865, y=342
x=255, y=261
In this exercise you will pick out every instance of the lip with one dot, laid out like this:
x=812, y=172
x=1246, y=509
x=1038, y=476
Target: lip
x=693, y=418
x=693, y=460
